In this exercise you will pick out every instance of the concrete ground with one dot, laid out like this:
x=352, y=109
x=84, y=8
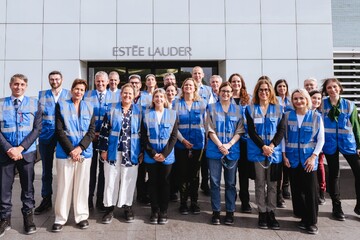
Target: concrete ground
x=184, y=227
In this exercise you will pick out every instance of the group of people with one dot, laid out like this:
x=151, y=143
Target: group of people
x=112, y=138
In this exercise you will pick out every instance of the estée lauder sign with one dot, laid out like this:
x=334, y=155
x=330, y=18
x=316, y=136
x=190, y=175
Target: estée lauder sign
x=139, y=51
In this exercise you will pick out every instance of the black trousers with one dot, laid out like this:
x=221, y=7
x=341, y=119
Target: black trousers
x=141, y=183
x=95, y=162
x=159, y=186
x=7, y=175
x=333, y=185
x=188, y=170
x=304, y=190
x=204, y=172
x=243, y=170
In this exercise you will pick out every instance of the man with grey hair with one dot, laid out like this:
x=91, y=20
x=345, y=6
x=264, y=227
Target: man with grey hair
x=100, y=98
x=114, y=81
x=215, y=82
x=310, y=84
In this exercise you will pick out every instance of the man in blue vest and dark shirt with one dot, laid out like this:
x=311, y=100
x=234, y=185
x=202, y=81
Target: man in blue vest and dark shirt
x=20, y=126
x=47, y=139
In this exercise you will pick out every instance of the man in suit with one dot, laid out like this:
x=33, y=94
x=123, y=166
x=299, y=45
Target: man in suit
x=47, y=139
x=20, y=125
x=100, y=98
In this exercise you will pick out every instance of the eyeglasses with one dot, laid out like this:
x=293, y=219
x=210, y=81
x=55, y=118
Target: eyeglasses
x=265, y=90
x=135, y=83
x=226, y=91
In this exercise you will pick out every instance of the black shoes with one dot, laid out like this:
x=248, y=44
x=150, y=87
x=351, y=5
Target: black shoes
x=154, y=217
x=194, y=207
x=229, y=218
x=5, y=225
x=108, y=216
x=246, y=208
x=215, y=219
x=128, y=214
x=56, y=227
x=29, y=226
x=312, y=229
x=322, y=200
x=357, y=209
x=84, y=224
x=183, y=209
x=337, y=212
x=262, y=223
x=302, y=225
x=44, y=206
x=285, y=192
x=272, y=222
x=163, y=219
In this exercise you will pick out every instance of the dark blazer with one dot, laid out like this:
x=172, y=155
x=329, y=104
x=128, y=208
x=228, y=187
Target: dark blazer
x=26, y=143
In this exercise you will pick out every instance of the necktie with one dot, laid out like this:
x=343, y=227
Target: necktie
x=101, y=96
x=16, y=103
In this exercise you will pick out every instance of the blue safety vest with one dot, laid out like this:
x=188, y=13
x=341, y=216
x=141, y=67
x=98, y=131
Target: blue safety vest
x=75, y=127
x=99, y=110
x=159, y=134
x=338, y=134
x=115, y=117
x=266, y=128
x=225, y=126
x=16, y=125
x=300, y=143
x=191, y=124
x=47, y=104
x=205, y=92
x=287, y=105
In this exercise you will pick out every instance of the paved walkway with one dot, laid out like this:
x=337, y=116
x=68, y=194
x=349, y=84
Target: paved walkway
x=183, y=227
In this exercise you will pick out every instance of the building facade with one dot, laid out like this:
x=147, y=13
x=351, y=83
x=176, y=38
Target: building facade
x=290, y=39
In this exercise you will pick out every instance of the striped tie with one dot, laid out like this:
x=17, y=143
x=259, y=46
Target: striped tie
x=101, y=95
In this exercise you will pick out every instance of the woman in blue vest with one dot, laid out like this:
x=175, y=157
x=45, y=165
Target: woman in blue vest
x=190, y=109
x=241, y=97
x=342, y=134
x=159, y=135
x=225, y=127
x=119, y=143
x=282, y=94
x=264, y=117
x=75, y=130
x=304, y=139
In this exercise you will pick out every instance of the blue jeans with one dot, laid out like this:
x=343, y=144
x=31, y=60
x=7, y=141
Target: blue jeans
x=215, y=168
x=47, y=150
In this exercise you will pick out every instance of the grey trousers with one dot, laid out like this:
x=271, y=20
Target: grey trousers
x=265, y=190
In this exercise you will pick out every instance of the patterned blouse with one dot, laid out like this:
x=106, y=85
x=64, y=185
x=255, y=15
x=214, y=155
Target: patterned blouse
x=124, y=139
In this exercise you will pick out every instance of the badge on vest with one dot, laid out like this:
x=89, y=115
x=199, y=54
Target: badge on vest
x=258, y=120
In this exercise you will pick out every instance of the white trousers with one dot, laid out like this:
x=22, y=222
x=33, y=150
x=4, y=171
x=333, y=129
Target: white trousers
x=72, y=183
x=120, y=183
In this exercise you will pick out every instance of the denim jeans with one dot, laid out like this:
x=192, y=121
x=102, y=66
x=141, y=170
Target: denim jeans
x=215, y=168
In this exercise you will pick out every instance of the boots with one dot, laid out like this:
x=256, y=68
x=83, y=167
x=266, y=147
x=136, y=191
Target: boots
x=45, y=205
x=337, y=211
x=29, y=226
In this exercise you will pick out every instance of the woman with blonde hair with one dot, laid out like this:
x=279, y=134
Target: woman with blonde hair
x=159, y=135
x=304, y=139
x=191, y=110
